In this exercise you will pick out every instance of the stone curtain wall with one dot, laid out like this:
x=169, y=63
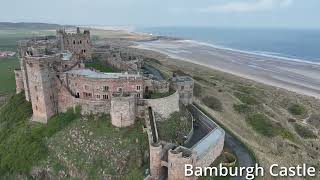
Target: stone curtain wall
x=93, y=107
x=165, y=106
x=212, y=153
x=211, y=146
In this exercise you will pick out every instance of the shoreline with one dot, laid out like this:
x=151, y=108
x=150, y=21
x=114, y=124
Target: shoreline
x=291, y=74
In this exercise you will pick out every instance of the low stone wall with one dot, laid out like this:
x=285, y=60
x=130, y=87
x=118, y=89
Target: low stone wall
x=189, y=136
x=165, y=106
x=93, y=107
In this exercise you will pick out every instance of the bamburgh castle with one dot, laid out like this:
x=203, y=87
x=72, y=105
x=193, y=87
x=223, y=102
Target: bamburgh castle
x=54, y=78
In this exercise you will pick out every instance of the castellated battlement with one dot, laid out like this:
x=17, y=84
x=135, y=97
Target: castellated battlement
x=79, y=43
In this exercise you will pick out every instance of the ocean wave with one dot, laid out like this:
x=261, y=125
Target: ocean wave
x=258, y=53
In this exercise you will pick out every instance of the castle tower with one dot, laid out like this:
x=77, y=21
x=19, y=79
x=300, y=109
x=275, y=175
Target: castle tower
x=123, y=110
x=155, y=160
x=177, y=159
x=42, y=83
x=77, y=43
x=19, y=81
x=184, y=85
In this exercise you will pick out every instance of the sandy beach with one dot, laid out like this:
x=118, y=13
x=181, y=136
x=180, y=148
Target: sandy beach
x=293, y=75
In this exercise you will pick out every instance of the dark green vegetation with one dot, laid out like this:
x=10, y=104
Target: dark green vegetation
x=22, y=144
x=246, y=98
x=197, y=90
x=99, y=65
x=264, y=126
x=242, y=108
x=304, y=132
x=176, y=127
x=247, y=94
x=213, y=103
x=297, y=109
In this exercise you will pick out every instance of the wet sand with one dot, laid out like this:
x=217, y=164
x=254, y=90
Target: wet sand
x=297, y=76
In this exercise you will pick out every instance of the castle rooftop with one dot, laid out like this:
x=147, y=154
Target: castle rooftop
x=99, y=75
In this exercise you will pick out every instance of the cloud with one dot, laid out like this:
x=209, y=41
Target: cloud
x=240, y=6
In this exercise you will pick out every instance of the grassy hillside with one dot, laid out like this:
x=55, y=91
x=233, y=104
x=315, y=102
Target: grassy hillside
x=69, y=146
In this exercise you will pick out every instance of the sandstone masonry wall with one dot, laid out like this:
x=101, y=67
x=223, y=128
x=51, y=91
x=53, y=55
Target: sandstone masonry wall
x=42, y=87
x=165, y=106
x=123, y=111
x=19, y=81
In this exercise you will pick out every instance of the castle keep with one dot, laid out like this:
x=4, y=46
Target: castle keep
x=54, y=78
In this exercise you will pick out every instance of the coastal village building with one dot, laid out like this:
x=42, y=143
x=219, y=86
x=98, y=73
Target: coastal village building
x=54, y=78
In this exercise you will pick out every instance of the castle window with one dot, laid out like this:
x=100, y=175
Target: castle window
x=37, y=108
x=105, y=88
x=84, y=51
x=37, y=98
x=138, y=87
x=78, y=95
x=80, y=42
x=105, y=96
x=74, y=41
x=36, y=88
x=138, y=95
x=98, y=96
x=119, y=89
x=86, y=87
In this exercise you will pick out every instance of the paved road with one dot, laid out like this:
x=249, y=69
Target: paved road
x=243, y=156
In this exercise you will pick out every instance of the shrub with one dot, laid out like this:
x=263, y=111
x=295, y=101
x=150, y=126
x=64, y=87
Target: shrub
x=197, y=90
x=264, y=126
x=261, y=124
x=297, y=109
x=304, y=132
x=246, y=98
x=213, y=103
x=242, y=108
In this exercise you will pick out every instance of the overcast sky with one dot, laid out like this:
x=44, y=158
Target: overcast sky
x=239, y=13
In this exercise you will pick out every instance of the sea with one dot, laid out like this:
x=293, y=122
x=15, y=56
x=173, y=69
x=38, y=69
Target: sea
x=289, y=44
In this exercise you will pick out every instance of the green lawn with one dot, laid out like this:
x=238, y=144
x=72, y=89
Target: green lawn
x=7, y=80
x=8, y=42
